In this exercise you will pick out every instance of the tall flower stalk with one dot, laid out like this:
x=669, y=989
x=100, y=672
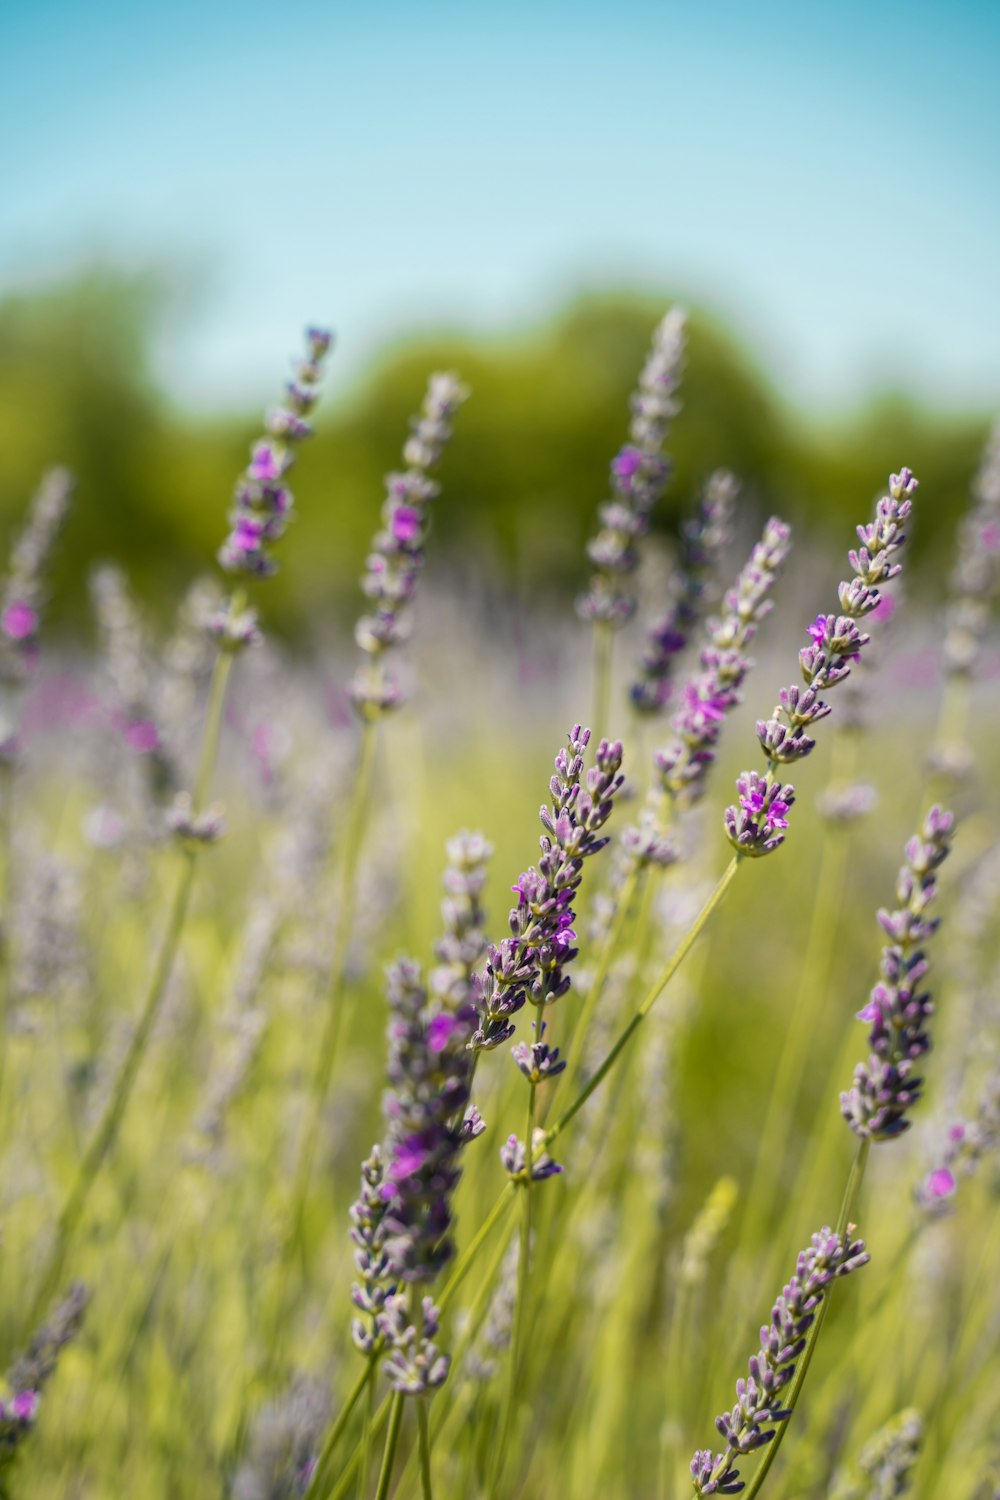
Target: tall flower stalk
x=640, y=472
x=392, y=573
x=262, y=505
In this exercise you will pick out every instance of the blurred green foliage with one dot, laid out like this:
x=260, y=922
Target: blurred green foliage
x=522, y=480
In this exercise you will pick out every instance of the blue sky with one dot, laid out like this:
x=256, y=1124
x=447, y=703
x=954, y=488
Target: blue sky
x=826, y=178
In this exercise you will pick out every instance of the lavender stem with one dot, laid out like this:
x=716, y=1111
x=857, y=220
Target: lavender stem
x=789, y=1402
x=612, y=941
x=391, y=1444
x=424, y=1445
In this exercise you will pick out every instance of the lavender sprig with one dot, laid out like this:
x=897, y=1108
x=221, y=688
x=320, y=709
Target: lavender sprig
x=262, y=503
x=886, y=1087
x=531, y=964
x=397, y=557
x=703, y=538
x=755, y=824
x=464, y=941
x=759, y=1410
x=976, y=575
x=639, y=476
x=23, y=592
x=969, y=1141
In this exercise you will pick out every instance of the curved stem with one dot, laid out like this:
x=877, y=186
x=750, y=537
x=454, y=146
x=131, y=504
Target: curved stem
x=653, y=994
x=609, y=947
x=336, y=1431
x=520, y=1296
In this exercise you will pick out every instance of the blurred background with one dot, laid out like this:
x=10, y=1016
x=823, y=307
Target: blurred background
x=518, y=194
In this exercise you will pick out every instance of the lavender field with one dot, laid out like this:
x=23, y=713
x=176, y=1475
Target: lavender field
x=367, y=1131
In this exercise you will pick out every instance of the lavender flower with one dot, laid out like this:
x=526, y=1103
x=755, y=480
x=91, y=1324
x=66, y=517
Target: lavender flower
x=968, y=1142
x=639, y=475
x=752, y=1422
x=702, y=539
x=886, y=1087
x=755, y=825
x=284, y=1440
x=262, y=503
x=23, y=590
x=514, y=1161
x=886, y=1461
x=397, y=557
x=371, y=1261
x=464, y=942
x=530, y=965
x=976, y=574
x=32, y=1372
x=415, y=1365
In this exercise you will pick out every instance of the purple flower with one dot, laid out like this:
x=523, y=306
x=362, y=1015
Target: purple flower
x=887, y=1086
x=639, y=475
x=261, y=504
x=25, y=1406
x=836, y=642
x=751, y=1423
x=530, y=964
x=142, y=736
x=23, y=591
x=19, y=621
x=397, y=557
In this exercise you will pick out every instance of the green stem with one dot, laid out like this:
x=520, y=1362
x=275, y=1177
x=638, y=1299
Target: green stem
x=610, y=946
x=353, y=837
x=464, y=1263
x=366, y=1449
x=6, y=908
x=320, y=1473
x=653, y=994
x=789, y=1402
x=391, y=1444
x=109, y=1125
x=603, y=648
x=425, y=1450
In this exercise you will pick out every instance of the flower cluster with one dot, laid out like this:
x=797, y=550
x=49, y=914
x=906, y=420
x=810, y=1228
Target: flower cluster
x=976, y=575
x=34, y=1369
x=752, y=1422
x=514, y=1161
x=429, y=1074
x=415, y=1364
x=702, y=539
x=639, y=475
x=464, y=941
x=23, y=589
x=371, y=1262
x=886, y=1461
x=886, y=1087
x=397, y=557
x=262, y=503
x=531, y=964
x=283, y=1443
x=753, y=826
x=968, y=1142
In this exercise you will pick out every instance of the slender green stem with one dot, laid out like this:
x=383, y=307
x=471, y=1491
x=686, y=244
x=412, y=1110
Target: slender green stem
x=789, y=1402
x=366, y=1441
x=603, y=651
x=391, y=1444
x=464, y=1263
x=521, y=1293
x=610, y=946
x=424, y=1444
x=333, y=1029
x=6, y=899
x=109, y=1124
x=652, y=995
x=320, y=1473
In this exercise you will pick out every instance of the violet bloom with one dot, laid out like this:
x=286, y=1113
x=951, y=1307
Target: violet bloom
x=887, y=1086
x=397, y=557
x=262, y=504
x=753, y=1420
x=531, y=964
x=639, y=475
x=968, y=1143
x=835, y=643
x=703, y=538
x=976, y=575
x=713, y=692
x=22, y=593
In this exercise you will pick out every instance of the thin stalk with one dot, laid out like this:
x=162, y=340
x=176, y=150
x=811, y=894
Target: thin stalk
x=789, y=1402
x=603, y=651
x=521, y=1294
x=653, y=994
x=391, y=1444
x=424, y=1445
x=366, y=1449
x=333, y=1029
x=612, y=941
x=336, y=1431
x=6, y=909
x=109, y=1124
